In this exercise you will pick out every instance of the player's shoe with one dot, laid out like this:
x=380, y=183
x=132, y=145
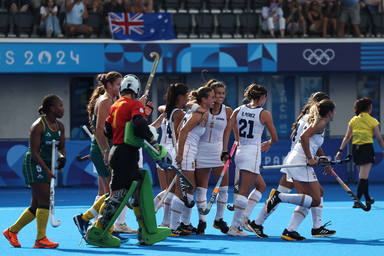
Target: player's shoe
x=371, y=201
x=180, y=232
x=292, y=236
x=81, y=224
x=273, y=200
x=257, y=229
x=201, y=227
x=245, y=226
x=123, y=228
x=11, y=237
x=322, y=231
x=233, y=231
x=188, y=228
x=45, y=243
x=222, y=225
x=123, y=239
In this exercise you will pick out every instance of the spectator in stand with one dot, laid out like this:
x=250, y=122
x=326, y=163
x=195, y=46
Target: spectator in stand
x=112, y=6
x=294, y=17
x=273, y=18
x=350, y=9
x=76, y=13
x=374, y=4
x=315, y=18
x=96, y=6
x=142, y=6
x=330, y=14
x=49, y=21
x=15, y=6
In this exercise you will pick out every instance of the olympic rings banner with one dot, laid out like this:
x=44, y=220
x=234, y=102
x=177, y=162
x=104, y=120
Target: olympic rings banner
x=244, y=56
x=77, y=173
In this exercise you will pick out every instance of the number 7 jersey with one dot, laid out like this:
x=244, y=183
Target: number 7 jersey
x=249, y=125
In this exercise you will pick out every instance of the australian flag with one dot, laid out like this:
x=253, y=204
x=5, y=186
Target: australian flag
x=140, y=26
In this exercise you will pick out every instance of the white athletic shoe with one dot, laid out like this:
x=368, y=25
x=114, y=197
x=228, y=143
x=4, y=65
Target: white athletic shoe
x=245, y=226
x=236, y=232
x=123, y=228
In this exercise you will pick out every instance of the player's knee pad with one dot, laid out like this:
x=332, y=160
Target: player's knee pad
x=302, y=210
x=111, y=205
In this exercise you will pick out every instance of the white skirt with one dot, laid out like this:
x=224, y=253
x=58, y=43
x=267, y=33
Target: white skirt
x=208, y=155
x=248, y=157
x=284, y=170
x=304, y=174
x=189, y=157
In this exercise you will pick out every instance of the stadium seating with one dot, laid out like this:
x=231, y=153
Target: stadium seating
x=216, y=5
x=171, y=5
x=249, y=24
x=182, y=23
x=205, y=25
x=227, y=24
x=4, y=24
x=96, y=21
x=238, y=5
x=24, y=24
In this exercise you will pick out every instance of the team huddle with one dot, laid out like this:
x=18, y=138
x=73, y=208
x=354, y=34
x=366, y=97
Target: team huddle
x=196, y=128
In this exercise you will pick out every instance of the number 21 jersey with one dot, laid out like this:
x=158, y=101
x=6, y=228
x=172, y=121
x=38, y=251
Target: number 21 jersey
x=249, y=125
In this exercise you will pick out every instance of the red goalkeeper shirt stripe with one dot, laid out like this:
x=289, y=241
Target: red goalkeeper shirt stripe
x=122, y=111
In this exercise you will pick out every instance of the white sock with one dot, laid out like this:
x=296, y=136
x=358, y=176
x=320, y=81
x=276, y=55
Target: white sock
x=167, y=210
x=297, y=199
x=298, y=216
x=158, y=198
x=221, y=202
x=283, y=189
x=122, y=217
x=263, y=215
x=186, y=215
x=239, y=205
x=253, y=198
x=316, y=215
x=177, y=208
x=201, y=201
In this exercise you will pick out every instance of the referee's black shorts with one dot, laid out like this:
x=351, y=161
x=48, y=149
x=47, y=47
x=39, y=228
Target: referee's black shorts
x=124, y=162
x=363, y=154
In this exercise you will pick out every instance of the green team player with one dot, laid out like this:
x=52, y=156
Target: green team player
x=37, y=171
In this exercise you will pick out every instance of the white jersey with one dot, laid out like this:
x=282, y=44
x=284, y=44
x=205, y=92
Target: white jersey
x=249, y=125
x=215, y=127
x=194, y=135
x=166, y=132
x=297, y=156
x=211, y=142
x=315, y=142
x=301, y=124
x=191, y=145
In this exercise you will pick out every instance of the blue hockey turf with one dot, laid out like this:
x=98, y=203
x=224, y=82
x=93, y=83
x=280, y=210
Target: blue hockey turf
x=358, y=232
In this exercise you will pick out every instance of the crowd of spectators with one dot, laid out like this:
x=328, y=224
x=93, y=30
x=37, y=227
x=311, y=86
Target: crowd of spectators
x=295, y=18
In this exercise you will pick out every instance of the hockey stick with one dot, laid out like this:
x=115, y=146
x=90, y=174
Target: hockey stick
x=164, y=165
x=366, y=207
x=320, y=163
x=218, y=183
x=182, y=185
x=185, y=183
x=87, y=131
x=54, y=223
x=235, y=189
x=153, y=71
x=83, y=158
